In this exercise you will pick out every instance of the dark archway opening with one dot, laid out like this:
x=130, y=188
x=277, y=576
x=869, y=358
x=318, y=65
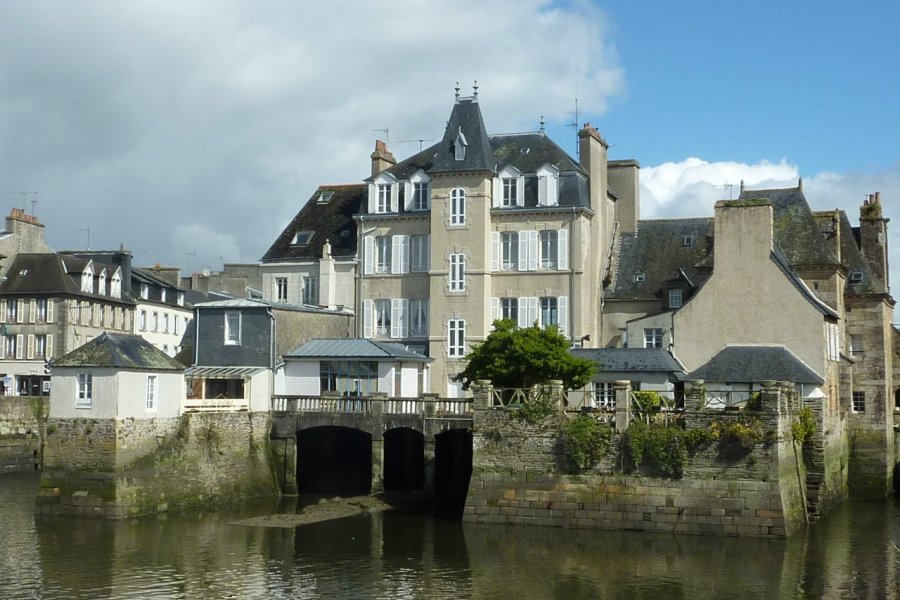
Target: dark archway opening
x=404, y=460
x=452, y=472
x=334, y=461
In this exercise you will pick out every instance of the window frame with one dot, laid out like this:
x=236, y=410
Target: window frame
x=151, y=399
x=419, y=253
x=381, y=317
x=281, y=289
x=509, y=308
x=858, y=402
x=233, y=331
x=456, y=338
x=549, y=307
x=654, y=337
x=383, y=249
x=84, y=390
x=676, y=297
x=548, y=243
x=457, y=201
x=456, y=281
x=509, y=250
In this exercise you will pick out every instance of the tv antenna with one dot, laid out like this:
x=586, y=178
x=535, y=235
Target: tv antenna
x=574, y=125
x=189, y=255
x=730, y=187
x=25, y=198
x=88, y=230
x=420, y=140
x=387, y=135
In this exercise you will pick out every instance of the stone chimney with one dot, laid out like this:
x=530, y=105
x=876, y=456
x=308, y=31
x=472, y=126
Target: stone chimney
x=873, y=239
x=743, y=236
x=624, y=179
x=170, y=274
x=592, y=156
x=381, y=158
x=327, y=278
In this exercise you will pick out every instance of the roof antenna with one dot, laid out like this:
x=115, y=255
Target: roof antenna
x=24, y=197
x=730, y=189
x=387, y=136
x=542, y=125
x=574, y=125
x=456, y=91
x=420, y=140
x=475, y=90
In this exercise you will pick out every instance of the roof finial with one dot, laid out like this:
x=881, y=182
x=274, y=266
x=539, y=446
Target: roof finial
x=542, y=124
x=457, y=90
x=800, y=183
x=475, y=89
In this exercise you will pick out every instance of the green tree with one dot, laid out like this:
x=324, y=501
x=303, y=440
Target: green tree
x=514, y=357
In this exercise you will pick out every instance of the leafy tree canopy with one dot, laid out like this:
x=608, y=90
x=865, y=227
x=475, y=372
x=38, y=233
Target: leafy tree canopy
x=513, y=357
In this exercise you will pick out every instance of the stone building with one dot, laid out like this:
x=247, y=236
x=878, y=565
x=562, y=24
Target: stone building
x=23, y=234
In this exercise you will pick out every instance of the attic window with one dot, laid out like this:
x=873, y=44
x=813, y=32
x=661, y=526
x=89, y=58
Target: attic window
x=302, y=238
x=639, y=278
x=856, y=276
x=324, y=197
x=459, y=146
x=23, y=272
x=688, y=240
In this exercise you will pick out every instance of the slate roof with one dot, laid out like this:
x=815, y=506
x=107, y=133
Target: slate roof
x=657, y=251
x=120, y=351
x=355, y=349
x=853, y=259
x=48, y=273
x=466, y=118
x=753, y=364
x=331, y=220
x=635, y=360
x=256, y=303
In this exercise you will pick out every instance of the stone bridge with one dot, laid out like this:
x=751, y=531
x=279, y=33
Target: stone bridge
x=374, y=415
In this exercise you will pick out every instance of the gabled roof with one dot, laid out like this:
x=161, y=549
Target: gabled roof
x=120, y=351
x=331, y=220
x=465, y=121
x=354, y=349
x=852, y=258
x=657, y=254
x=634, y=360
x=754, y=364
x=46, y=273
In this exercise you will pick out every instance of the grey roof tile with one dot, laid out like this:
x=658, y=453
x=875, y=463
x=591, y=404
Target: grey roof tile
x=354, y=348
x=636, y=360
x=754, y=364
x=121, y=351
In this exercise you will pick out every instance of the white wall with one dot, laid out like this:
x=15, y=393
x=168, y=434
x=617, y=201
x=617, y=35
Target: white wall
x=301, y=378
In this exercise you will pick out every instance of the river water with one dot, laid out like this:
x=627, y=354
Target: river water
x=853, y=553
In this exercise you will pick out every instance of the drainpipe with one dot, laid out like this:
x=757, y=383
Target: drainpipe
x=571, y=263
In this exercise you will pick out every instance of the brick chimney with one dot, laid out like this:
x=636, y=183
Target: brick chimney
x=381, y=158
x=873, y=239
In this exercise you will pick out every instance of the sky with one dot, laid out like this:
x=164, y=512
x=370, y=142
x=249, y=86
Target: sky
x=192, y=132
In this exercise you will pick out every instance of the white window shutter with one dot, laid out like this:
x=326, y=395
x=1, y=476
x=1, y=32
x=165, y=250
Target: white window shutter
x=369, y=255
x=395, y=197
x=495, y=251
x=373, y=198
x=404, y=254
x=562, y=306
x=49, y=352
x=407, y=195
x=20, y=342
x=532, y=311
x=562, y=249
x=523, y=313
x=368, y=309
x=50, y=305
x=3, y=346
x=522, y=243
x=542, y=190
x=3, y=311
x=29, y=353
x=20, y=312
x=497, y=192
x=396, y=252
x=532, y=250
x=32, y=310
x=552, y=191
x=520, y=191
x=404, y=317
x=395, y=318
x=495, y=309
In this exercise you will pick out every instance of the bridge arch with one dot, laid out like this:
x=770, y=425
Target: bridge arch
x=334, y=460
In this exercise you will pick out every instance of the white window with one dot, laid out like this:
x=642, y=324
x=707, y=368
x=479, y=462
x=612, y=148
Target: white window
x=152, y=381
x=509, y=308
x=400, y=254
x=856, y=346
x=548, y=186
x=383, y=200
x=40, y=346
x=145, y=291
x=457, y=206
x=421, y=195
x=41, y=306
x=456, y=338
x=155, y=321
x=457, y=281
x=510, y=194
x=509, y=250
x=175, y=324
x=549, y=248
x=606, y=395
x=418, y=308
x=508, y=188
x=549, y=312
x=87, y=281
x=9, y=346
x=165, y=322
x=675, y=297
x=85, y=390
x=142, y=321
x=383, y=245
x=832, y=341
x=180, y=298
x=419, y=253
x=310, y=290
x=302, y=238
x=12, y=310
x=653, y=337
x=232, y=329
x=281, y=289
x=101, y=283
x=115, y=288
x=383, y=317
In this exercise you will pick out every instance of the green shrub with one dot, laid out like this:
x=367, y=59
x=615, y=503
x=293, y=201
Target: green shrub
x=584, y=441
x=805, y=426
x=662, y=448
x=737, y=438
x=754, y=402
x=647, y=401
x=536, y=410
x=698, y=439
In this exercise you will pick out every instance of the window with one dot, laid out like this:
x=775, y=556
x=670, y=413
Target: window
x=420, y=199
x=653, y=338
x=302, y=238
x=180, y=298
x=155, y=321
x=687, y=240
x=162, y=295
x=310, y=290
x=85, y=390
x=165, y=322
x=856, y=276
x=832, y=341
x=152, y=381
x=175, y=321
x=549, y=312
x=418, y=253
x=324, y=197
x=456, y=338
x=383, y=198
x=101, y=283
x=509, y=308
x=42, y=309
x=457, y=206
x=675, y=298
x=281, y=289
x=459, y=146
x=605, y=394
x=859, y=402
x=549, y=242
x=640, y=278
x=349, y=378
x=145, y=291
x=418, y=308
x=10, y=346
x=12, y=310
x=509, y=250
x=40, y=346
x=87, y=313
x=383, y=254
x=509, y=191
x=856, y=346
x=87, y=281
x=548, y=186
x=232, y=329
x=382, y=317
x=115, y=288
x=142, y=321
x=457, y=272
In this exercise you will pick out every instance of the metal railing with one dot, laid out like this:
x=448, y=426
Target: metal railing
x=437, y=407
x=215, y=405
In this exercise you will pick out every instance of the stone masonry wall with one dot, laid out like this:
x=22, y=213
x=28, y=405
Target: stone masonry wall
x=21, y=433
x=518, y=478
x=124, y=468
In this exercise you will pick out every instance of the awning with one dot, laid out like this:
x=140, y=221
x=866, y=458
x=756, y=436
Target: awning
x=222, y=372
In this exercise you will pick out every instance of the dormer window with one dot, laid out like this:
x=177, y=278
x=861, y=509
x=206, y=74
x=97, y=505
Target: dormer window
x=101, y=283
x=324, y=197
x=856, y=276
x=87, y=281
x=548, y=185
x=302, y=238
x=687, y=240
x=145, y=291
x=676, y=298
x=417, y=195
x=162, y=295
x=383, y=194
x=180, y=300
x=115, y=287
x=459, y=146
x=509, y=188
x=640, y=278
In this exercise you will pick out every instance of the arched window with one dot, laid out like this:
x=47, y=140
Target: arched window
x=457, y=206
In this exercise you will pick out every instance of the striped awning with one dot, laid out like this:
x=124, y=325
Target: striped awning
x=222, y=372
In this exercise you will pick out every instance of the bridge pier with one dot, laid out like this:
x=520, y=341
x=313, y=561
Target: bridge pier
x=428, y=482
x=377, y=464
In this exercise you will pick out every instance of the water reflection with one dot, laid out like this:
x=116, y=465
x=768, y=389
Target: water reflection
x=392, y=555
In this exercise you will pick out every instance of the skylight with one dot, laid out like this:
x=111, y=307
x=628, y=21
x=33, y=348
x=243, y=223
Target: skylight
x=302, y=238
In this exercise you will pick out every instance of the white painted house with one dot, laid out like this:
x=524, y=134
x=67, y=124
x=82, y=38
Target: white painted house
x=116, y=376
x=354, y=367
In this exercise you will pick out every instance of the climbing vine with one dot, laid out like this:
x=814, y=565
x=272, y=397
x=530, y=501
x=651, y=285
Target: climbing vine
x=584, y=441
